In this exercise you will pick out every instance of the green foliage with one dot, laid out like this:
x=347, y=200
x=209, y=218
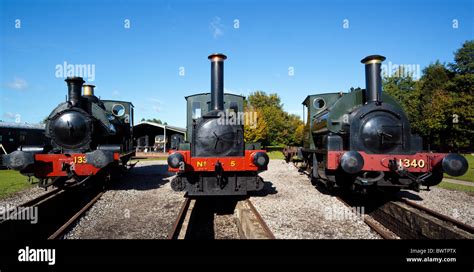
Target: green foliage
x=154, y=120
x=462, y=89
x=11, y=182
x=440, y=104
x=255, y=130
x=275, y=155
x=463, y=57
x=469, y=176
x=456, y=187
x=281, y=128
x=405, y=90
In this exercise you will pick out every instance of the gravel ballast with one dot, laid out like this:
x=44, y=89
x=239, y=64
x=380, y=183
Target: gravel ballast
x=140, y=206
x=22, y=196
x=294, y=209
x=456, y=204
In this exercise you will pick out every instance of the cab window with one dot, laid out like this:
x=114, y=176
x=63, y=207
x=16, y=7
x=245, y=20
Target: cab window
x=234, y=107
x=196, y=110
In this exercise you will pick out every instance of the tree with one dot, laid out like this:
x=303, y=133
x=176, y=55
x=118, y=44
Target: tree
x=462, y=89
x=297, y=126
x=154, y=120
x=255, y=129
x=405, y=90
x=281, y=127
x=440, y=105
x=260, y=100
x=463, y=59
x=435, y=104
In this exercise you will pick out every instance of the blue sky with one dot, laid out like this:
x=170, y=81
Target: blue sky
x=142, y=63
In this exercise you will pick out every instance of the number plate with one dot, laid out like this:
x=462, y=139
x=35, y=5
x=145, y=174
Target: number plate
x=80, y=159
x=408, y=163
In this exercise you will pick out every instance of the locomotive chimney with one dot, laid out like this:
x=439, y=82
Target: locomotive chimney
x=74, y=85
x=217, y=81
x=88, y=89
x=373, y=79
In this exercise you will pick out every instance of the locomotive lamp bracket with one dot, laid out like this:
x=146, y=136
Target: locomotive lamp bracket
x=69, y=168
x=403, y=172
x=65, y=167
x=219, y=171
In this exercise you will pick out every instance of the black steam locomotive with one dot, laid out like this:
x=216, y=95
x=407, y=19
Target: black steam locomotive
x=362, y=140
x=85, y=137
x=215, y=160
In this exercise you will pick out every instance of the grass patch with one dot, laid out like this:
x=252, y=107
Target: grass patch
x=275, y=155
x=12, y=181
x=469, y=176
x=456, y=187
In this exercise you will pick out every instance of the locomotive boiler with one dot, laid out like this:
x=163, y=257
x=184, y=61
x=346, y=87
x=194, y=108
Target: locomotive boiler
x=215, y=160
x=362, y=140
x=85, y=137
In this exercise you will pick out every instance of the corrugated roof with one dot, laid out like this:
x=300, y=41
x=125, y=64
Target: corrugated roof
x=186, y=97
x=21, y=125
x=177, y=129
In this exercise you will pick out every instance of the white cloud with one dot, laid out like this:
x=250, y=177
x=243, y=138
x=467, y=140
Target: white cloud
x=18, y=84
x=116, y=93
x=9, y=116
x=216, y=27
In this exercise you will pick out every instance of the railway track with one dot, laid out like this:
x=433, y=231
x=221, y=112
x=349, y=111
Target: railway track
x=197, y=216
x=392, y=218
x=410, y=220
x=48, y=216
x=373, y=224
x=402, y=218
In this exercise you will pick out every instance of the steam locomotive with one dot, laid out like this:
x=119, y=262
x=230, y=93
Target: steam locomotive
x=85, y=137
x=215, y=160
x=362, y=140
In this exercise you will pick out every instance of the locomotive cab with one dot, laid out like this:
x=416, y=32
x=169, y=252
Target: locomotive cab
x=208, y=123
x=362, y=140
x=214, y=160
x=86, y=137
